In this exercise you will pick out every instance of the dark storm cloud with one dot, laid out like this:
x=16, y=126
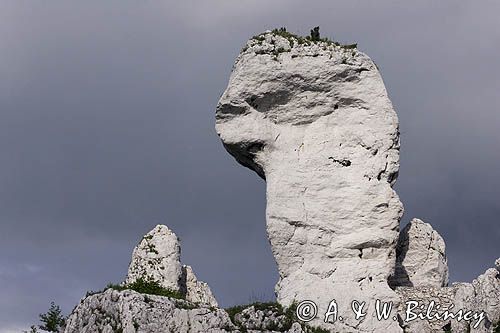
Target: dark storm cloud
x=106, y=128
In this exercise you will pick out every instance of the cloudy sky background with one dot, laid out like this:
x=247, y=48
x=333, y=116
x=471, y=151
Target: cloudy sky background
x=107, y=128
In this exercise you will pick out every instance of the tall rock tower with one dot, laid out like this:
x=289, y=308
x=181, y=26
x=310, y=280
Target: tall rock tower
x=314, y=120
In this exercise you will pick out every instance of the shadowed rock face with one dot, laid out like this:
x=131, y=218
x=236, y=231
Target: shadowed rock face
x=315, y=122
x=421, y=257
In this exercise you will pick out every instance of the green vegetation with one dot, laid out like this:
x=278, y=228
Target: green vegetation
x=282, y=326
x=234, y=310
x=259, y=306
x=52, y=321
x=497, y=328
x=315, y=34
x=294, y=39
x=149, y=286
x=308, y=40
x=151, y=248
x=143, y=285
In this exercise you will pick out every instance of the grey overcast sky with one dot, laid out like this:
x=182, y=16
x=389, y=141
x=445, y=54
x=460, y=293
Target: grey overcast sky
x=107, y=129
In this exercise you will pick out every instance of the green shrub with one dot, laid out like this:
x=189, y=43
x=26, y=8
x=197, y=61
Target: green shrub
x=143, y=285
x=147, y=285
x=234, y=310
x=314, y=37
x=53, y=320
x=315, y=34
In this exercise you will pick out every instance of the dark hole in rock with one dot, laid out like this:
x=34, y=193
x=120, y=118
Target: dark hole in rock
x=342, y=162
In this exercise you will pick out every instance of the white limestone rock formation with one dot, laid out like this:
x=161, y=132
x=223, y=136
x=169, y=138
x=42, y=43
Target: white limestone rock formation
x=261, y=319
x=127, y=311
x=314, y=120
x=444, y=296
x=193, y=309
x=130, y=312
x=196, y=291
x=482, y=295
x=421, y=257
x=157, y=257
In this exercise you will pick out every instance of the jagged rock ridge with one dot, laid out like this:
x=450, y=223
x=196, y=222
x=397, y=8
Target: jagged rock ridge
x=191, y=308
x=482, y=295
x=128, y=311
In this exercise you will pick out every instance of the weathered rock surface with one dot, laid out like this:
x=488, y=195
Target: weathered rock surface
x=424, y=295
x=196, y=291
x=421, y=257
x=255, y=319
x=315, y=121
x=130, y=312
x=482, y=295
x=157, y=257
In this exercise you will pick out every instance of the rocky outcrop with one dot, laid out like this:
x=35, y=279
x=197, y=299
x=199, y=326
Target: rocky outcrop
x=256, y=319
x=130, y=312
x=269, y=317
x=483, y=294
x=314, y=120
x=196, y=291
x=157, y=257
x=187, y=304
x=424, y=295
x=480, y=296
x=420, y=257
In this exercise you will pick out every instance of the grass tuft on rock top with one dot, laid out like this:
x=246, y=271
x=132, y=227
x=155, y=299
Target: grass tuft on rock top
x=144, y=285
x=149, y=286
x=293, y=39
